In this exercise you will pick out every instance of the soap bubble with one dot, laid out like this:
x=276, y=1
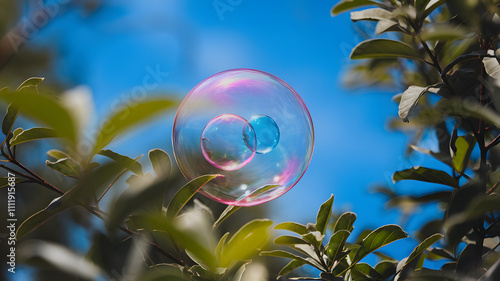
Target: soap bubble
x=228, y=142
x=265, y=130
x=248, y=126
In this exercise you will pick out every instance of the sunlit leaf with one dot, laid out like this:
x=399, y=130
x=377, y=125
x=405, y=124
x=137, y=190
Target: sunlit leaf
x=374, y=14
x=13, y=109
x=425, y=174
x=410, y=98
x=130, y=116
x=336, y=244
x=346, y=5
x=45, y=110
x=384, y=48
x=162, y=165
x=378, y=238
x=30, y=82
x=345, y=222
x=186, y=193
x=32, y=134
x=59, y=257
x=65, y=166
x=57, y=154
x=431, y=6
x=125, y=161
x=292, y=226
x=230, y=209
x=246, y=241
x=492, y=66
x=417, y=251
x=324, y=214
x=464, y=146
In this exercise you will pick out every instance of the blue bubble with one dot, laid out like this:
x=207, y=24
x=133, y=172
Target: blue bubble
x=265, y=130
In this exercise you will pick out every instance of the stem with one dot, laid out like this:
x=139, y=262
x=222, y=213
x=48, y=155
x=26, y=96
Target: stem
x=109, y=186
x=93, y=210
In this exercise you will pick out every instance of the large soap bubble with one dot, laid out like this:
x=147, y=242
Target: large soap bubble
x=249, y=126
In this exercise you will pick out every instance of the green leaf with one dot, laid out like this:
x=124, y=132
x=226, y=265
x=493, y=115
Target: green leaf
x=4, y=181
x=57, y=154
x=134, y=199
x=283, y=254
x=89, y=183
x=125, y=161
x=417, y=251
x=363, y=271
x=324, y=214
x=65, y=166
x=32, y=134
x=345, y=222
x=10, y=115
x=374, y=14
x=425, y=174
x=383, y=48
x=30, y=82
x=230, y=209
x=186, y=192
x=293, y=226
x=492, y=66
x=464, y=146
x=257, y=192
x=336, y=245
x=129, y=117
x=460, y=199
x=162, y=165
x=289, y=240
x=378, y=238
x=386, y=269
x=410, y=98
x=291, y=266
x=246, y=242
x=44, y=109
x=455, y=107
x=442, y=32
x=185, y=239
x=440, y=253
x=346, y=5
x=13, y=110
x=431, y=6
x=55, y=207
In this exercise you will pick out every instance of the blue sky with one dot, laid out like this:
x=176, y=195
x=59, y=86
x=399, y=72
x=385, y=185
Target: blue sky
x=112, y=49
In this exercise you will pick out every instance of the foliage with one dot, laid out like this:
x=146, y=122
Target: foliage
x=441, y=52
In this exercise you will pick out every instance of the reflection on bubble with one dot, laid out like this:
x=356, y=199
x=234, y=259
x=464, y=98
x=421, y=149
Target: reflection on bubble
x=265, y=130
x=223, y=145
x=249, y=126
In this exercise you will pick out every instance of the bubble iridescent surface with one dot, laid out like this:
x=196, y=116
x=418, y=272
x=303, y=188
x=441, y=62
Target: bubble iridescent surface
x=274, y=119
x=228, y=142
x=266, y=132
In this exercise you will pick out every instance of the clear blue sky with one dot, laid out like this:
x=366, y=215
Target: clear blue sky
x=112, y=49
